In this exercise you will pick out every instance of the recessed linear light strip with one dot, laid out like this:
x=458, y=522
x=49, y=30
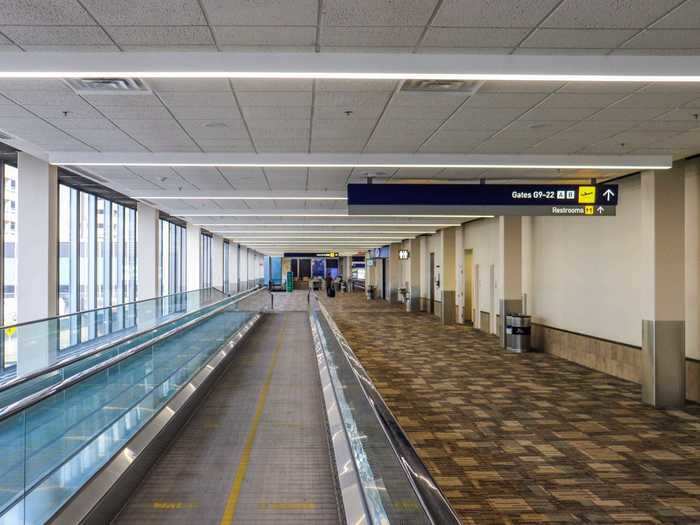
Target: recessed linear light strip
x=360, y=160
x=331, y=225
x=351, y=66
x=276, y=233
x=417, y=216
x=238, y=198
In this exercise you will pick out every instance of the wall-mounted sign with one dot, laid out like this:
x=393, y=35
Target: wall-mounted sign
x=483, y=199
x=404, y=254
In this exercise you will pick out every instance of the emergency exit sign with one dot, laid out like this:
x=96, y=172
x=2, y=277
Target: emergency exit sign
x=484, y=199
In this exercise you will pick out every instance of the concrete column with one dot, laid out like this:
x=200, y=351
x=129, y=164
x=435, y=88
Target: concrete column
x=394, y=270
x=448, y=275
x=528, y=264
x=663, y=287
x=459, y=275
x=193, y=240
x=692, y=260
x=414, y=276
x=424, y=274
x=509, y=273
x=148, y=251
x=37, y=238
x=217, y=262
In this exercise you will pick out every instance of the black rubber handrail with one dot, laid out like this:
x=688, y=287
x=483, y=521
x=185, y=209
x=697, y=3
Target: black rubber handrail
x=33, y=399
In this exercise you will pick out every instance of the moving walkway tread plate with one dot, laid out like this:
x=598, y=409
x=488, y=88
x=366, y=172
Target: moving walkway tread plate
x=289, y=478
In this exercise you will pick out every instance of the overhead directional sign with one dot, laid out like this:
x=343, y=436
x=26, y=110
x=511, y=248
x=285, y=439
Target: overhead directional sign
x=484, y=199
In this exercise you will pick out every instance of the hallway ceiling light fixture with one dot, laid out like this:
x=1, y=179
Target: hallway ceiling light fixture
x=241, y=198
x=350, y=66
x=296, y=232
x=362, y=160
x=417, y=216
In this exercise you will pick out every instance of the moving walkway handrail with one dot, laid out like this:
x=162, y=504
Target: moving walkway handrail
x=33, y=399
x=434, y=503
x=69, y=360
x=83, y=312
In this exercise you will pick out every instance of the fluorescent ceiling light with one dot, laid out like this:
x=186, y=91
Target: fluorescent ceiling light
x=276, y=233
x=418, y=216
x=316, y=237
x=241, y=198
x=351, y=66
x=332, y=225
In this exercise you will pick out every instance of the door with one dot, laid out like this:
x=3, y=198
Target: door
x=468, y=287
x=431, y=291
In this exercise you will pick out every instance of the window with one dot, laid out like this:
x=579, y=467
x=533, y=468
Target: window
x=205, y=261
x=171, y=264
x=9, y=234
x=227, y=262
x=96, y=251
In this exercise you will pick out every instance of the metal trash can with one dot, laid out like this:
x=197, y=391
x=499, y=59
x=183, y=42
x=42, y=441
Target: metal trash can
x=518, y=329
x=370, y=293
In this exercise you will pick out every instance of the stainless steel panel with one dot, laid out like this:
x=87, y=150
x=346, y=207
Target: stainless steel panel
x=663, y=363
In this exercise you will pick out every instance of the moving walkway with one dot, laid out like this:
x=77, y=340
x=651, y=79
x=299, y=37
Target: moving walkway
x=228, y=413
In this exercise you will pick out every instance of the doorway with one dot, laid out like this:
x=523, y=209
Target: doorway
x=468, y=287
x=431, y=291
x=384, y=279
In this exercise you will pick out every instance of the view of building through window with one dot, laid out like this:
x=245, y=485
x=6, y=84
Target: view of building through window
x=9, y=245
x=172, y=263
x=96, y=253
x=205, y=260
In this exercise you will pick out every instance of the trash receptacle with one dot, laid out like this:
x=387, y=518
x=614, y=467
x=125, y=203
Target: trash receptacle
x=370, y=293
x=518, y=333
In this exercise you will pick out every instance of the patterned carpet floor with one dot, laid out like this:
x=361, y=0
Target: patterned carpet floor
x=525, y=438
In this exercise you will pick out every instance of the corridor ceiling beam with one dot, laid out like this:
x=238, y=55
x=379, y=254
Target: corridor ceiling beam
x=390, y=66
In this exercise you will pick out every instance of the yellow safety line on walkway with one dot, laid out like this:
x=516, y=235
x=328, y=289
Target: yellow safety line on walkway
x=232, y=501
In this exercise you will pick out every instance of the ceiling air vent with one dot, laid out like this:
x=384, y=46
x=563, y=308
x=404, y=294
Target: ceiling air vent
x=108, y=86
x=442, y=86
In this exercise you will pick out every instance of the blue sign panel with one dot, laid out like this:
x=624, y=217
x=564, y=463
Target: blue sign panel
x=482, y=195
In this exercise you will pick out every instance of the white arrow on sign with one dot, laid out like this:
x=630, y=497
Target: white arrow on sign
x=608, y=194
x=600, y=209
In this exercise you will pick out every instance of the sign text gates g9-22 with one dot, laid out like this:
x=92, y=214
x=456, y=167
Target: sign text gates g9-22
x=483, y=199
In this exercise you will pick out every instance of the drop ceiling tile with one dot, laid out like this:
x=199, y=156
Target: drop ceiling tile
x=500, y=86
x=276, y=112
x=493, y=13
x=262, y=12
x=70, y=124
x=274, y=98
x=67, y=100
x=628, y=114
x=686, y=16
x=212, y=113
x=8, y=109
x=160, y=35
x=665, y=39
x=601, y=87
x=226, y=146
x=370, y=36
x=339, y=112
x=56, y=35
x=472, y=37
x=608, y=14
x=265, y=36
x=567, y=51
x=386, y=86
x=146, y=12
x=181, y=85
x=377, y=12
x=342, y=145
x=656, y=100
x=580, y=100
x=504, y=100
x=656, y=52
x=540, y=113
x=283, y=145
x=483, y=118
x=349, y=100
x=578, y=38
x=684, y=114
x=44, y=12
x=136, y=112
x=257, y=84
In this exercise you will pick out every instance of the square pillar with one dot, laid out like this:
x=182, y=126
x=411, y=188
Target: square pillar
x=663, y=288
x=692, y=260
x=394, y=270
x=414, y=276
x=37, y=238
x=448, y=275
x=217, y=262
x=148, y=242
x=193, y=240
x=509, y=276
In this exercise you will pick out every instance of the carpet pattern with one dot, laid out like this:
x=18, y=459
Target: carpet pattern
x=525, y=438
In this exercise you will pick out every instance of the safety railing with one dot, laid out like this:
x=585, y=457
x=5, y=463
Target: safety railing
x=170, y=311
x=54, y=441
x=382, y=480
